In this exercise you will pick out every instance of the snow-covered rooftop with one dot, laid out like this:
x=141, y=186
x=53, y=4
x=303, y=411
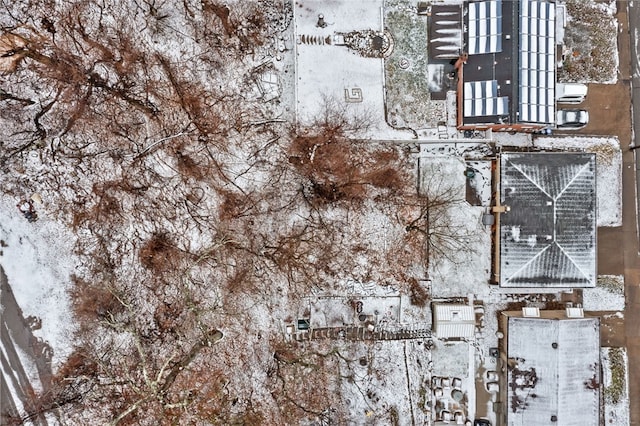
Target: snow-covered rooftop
x=453, y=320
x=548, y=235
x=553, y=374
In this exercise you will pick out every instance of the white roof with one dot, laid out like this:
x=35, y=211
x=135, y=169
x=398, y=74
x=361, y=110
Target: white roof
x=553, y=370
x=453, y=321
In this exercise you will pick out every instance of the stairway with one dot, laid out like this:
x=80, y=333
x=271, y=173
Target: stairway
x=314, y=39
x=361, y=333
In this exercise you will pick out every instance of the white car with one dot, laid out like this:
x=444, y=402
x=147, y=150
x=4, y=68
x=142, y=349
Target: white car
x=571, y=93
x=572, y=118
x=493, y=387
x=492, y=376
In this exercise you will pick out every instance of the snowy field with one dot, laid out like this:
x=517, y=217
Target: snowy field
x=38, y=260
x=327, y=70
x=590, y=42
x=466, y=268
x=332, y=72
x=382, y=382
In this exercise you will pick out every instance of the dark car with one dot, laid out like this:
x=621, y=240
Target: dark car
x=481, y=422
x=572, y=118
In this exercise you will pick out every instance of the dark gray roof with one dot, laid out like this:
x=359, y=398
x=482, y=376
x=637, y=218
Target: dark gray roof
x=553, y=369
x=445, y=31
x=548, y=238
x=511, y=46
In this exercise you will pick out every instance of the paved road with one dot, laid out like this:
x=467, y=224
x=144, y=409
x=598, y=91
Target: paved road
x=17, y=342
x=618, y=247
x=628, y=42
x=634, y=59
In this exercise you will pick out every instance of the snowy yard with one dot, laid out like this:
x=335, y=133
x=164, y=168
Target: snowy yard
x=465, y=268
x=607, y=295
x=177, y=199
x=615, y=367
x=326, y=71
x=38, y=261
x=591, y=48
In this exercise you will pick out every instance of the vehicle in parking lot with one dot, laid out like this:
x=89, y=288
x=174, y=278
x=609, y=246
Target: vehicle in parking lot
x=492, y=376
x=571, y=118
x=570, y=93
x=481, y=422
x=493, y=387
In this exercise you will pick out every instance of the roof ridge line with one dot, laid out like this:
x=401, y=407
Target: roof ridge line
x=578, y=173
x=571, y=259
x=529, y=262
x=530, y=179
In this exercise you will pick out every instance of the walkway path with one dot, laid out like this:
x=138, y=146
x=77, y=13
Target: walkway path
x=618, y=247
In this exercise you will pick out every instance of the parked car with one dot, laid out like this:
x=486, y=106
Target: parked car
x=492, y=376
x=570, y=93
x=493, y=387
x=572, y=118
x=481, y=422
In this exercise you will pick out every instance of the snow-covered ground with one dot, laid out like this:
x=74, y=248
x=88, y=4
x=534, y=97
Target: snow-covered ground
x=607, y=295
x=615, y=366
x=329, y=72
x=590, y=51
x=377, y=379
x=38, y=261
x=465, y=268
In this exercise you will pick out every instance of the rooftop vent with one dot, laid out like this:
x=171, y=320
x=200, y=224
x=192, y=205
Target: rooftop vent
x=575, y=312
x=530, y=312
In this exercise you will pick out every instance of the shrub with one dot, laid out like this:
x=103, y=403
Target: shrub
x=158, y=254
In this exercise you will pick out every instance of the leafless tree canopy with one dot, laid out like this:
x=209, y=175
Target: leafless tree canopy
x=198, y=209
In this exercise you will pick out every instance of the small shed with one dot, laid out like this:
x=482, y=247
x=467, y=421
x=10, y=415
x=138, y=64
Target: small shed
x=453, y=321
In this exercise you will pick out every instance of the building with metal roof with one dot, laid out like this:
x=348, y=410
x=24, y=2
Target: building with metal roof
x=546, y=220
x=453, y=321
x=553, y=369
x=506, y=78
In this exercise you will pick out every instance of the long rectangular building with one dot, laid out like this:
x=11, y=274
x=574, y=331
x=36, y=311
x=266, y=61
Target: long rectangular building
x=553, y=370
x=508, y=76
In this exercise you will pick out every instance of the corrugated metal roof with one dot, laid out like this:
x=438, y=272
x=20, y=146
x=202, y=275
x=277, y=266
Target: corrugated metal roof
x=548, y=238
x=553, y=370
x=453, y=321
x=513, y=43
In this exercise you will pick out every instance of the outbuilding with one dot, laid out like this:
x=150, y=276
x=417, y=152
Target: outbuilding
x=453, y=321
